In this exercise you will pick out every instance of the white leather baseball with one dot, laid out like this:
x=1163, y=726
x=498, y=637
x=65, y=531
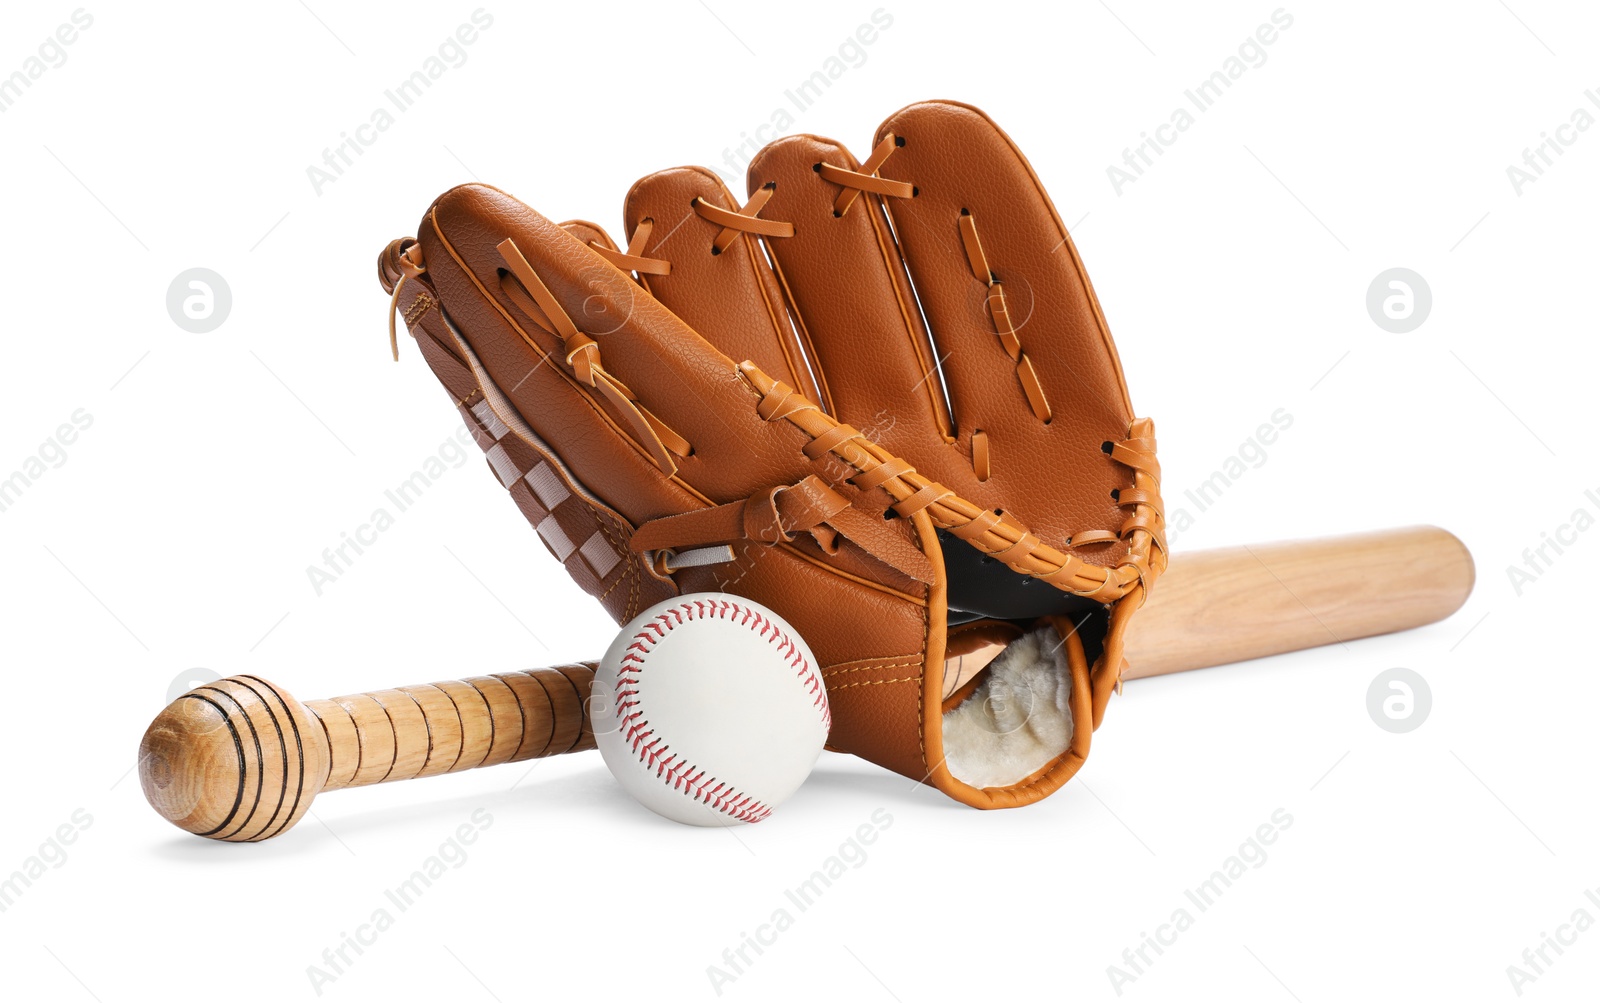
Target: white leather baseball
x=709, y=709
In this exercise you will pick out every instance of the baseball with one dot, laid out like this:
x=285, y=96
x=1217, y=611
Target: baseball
x=710, y=709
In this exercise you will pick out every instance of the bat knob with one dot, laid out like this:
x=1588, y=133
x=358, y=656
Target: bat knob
x=238, y=759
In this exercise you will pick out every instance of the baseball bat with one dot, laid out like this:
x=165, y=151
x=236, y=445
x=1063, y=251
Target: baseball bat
x=241, y=760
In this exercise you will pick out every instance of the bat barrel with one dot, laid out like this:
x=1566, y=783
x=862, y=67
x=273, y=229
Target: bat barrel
x=1238, y=603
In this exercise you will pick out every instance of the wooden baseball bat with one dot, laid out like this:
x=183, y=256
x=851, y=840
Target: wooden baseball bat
x=240, y=759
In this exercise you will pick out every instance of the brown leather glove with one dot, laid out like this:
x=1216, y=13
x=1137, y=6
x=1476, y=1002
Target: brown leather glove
x=1023, y=516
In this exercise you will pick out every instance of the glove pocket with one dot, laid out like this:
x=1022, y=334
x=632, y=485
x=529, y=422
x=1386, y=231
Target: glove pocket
x=1020, y=725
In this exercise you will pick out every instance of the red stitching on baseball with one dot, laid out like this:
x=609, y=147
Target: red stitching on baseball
x=676, y=771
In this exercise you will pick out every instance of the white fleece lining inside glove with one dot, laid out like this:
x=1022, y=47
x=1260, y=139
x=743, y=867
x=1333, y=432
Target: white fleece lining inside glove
x=1018, y=719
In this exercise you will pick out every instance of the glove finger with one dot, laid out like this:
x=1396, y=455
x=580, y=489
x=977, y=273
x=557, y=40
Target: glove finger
x=714, y=277
x=707, y=437
x=1029, y=361
x=849, y=291
x=581, y=531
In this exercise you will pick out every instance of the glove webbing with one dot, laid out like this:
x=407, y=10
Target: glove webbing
x=992, y=532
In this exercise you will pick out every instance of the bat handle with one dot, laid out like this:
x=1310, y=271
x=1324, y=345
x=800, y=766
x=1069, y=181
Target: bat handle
x=241, y=760
x=434, y=728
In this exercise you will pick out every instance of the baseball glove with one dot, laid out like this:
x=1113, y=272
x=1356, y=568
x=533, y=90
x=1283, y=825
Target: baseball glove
x=879, y=398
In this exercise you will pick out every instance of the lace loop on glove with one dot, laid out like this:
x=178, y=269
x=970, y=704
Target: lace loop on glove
x=866, y=180
x=743, y=221
x=634, y=259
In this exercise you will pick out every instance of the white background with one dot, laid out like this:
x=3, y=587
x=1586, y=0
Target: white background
x=177, y=532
